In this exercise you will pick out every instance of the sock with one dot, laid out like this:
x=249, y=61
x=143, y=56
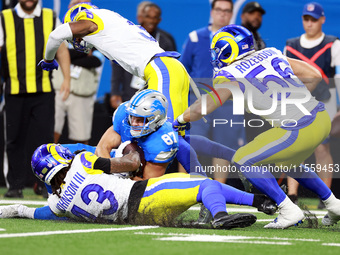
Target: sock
x=26, y=212
x=188, y=158
x=264, y=181
x=205, y=147
x=215, y=195
x=211, y=196
x=310, y=180
x=45, y=213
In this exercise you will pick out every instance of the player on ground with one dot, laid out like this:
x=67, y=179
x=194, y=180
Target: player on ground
x=263, y=76
x=84, y=189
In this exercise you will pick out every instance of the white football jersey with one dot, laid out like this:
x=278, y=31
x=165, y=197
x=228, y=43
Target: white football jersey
x=117, y=38
x=263, y=74
x=89, y=193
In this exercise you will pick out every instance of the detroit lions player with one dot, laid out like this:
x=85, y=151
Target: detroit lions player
x=83, y=189
x=260, y=77
x=125, y=43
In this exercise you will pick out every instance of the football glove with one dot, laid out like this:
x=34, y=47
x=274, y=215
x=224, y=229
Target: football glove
x=48, y=66
x=178, y=127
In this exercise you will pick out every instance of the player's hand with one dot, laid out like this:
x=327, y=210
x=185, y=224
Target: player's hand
x=178, y=127
x=48, y=66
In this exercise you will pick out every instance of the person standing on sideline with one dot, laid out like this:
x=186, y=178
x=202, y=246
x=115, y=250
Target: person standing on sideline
x=323, y=52
x=28, y=91
x=79, y=106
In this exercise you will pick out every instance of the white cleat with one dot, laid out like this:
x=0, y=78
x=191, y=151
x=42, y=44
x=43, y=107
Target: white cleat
x=289, y=215
x=9, y=211
x=333, y=206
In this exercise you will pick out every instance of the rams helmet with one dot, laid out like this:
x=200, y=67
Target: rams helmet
x=71, y=14
x=230, y=43
x=48, y=159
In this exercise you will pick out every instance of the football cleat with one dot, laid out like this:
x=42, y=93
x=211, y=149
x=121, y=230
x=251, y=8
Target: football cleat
x=289, y=215
x=9, y=211
x=229, y=221
x=333, y=206
x=204, y=216
x=268, y=206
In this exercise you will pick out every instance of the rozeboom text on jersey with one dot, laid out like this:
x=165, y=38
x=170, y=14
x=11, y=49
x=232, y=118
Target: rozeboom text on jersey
x=70, y=191
x=248, y=63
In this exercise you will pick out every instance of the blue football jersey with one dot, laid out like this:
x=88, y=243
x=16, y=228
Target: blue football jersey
x=159, y=147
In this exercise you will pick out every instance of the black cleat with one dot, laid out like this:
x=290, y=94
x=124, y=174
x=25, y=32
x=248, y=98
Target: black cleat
x=267, y=206
x=204, y=216
x=229, y=221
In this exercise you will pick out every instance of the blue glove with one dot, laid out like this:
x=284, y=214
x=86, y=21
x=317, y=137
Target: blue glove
x=48, y=66
x=177, y=126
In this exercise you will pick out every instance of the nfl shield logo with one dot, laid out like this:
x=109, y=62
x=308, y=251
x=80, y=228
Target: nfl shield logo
x=310, y=7
x=245, y=46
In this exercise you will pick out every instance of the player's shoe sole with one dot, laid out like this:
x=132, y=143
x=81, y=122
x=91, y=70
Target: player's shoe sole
x=238, y=220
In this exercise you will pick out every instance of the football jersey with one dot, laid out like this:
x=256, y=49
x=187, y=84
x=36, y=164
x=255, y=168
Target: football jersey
x=260, y=75
x=159, y=147
x=89, y=193
x=117, y=38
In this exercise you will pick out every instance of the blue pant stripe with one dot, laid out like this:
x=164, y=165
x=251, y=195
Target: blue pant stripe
x=166, y=84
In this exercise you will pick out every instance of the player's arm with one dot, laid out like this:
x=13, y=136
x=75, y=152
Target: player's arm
x=127, y=163
x=110, y=139
x=68, y=31
x=153, y=170
x=194, y=112
x=308, y=74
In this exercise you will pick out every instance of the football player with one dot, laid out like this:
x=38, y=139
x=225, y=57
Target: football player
x=121, y=41
x=84, y=189
x=263, y=76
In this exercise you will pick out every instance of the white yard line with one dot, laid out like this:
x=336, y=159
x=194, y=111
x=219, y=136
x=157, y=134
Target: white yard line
x=253, y=210
x=331, y=244
x=78, y=231
x=23, y=202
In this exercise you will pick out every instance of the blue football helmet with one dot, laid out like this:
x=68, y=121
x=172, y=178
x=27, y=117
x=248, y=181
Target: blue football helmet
x=48, y=159
x=230, y=43
x=152, y=106
x=71, y=14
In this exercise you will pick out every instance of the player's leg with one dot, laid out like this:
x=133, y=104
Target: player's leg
x=188, y=158
x=215, y=195
x=168, y=76
x=22, y=211
x=269, y=147
x=167, y=196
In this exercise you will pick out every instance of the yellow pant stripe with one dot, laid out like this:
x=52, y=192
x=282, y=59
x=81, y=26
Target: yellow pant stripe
x=30, y=55
x=11, y=50
x=48, y=27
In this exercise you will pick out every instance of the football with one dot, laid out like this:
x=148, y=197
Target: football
x=133, y=146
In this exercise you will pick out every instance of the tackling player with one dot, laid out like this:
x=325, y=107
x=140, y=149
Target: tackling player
x=121, y=41
x=84, y=189
x=268, y=75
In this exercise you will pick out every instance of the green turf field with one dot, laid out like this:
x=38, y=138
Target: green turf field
x=34, y=237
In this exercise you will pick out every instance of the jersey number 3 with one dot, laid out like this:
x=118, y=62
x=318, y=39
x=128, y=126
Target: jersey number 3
x=102, y=196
